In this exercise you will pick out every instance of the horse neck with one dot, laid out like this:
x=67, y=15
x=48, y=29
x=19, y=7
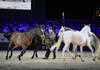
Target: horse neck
x=59, y=41
x=84, y=31
x=30, y=33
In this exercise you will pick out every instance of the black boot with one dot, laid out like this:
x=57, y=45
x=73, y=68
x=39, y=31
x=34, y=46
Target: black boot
x=23, y=0
x=45, y=58
x=54, y=54
x=47, y=54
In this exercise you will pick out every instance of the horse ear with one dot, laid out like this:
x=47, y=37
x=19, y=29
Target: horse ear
x=89, y=24
x=84, y=24
x=62, y=26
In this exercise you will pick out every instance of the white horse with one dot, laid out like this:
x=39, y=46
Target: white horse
x=81, y=38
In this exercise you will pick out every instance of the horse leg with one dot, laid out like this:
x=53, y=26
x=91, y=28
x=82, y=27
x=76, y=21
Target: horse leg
x=12, y=52
x=33, y=55
x=23, y=0
x=22, y=53
x=63, y=52
x=36, y=54
x=66, y=47
x=8, y=51
x=35, y=48
x=91, y=50
x=81, y=48
x=35, y=51
x=75, y=51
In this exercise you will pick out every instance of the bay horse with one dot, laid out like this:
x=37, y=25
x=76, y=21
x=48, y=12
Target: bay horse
x=24, y=40
x=81, y=38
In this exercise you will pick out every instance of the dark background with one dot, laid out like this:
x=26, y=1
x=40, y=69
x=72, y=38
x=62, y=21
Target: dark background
x=54, y=8
x=72, y=8
x=37, y=11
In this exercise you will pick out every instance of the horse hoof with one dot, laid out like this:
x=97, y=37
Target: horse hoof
x=79, y=55
x=36, y=56
x=32, y=57
x=54, y=57
x=19, y=58
x=9, y=57
x=82, y=60
x=94, y=59
x=74, y=58
x=45, y=58
x=6, y=58
x=98, y=58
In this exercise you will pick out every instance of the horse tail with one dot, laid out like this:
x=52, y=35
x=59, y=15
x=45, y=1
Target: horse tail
x=57, y=44
x=96, y=42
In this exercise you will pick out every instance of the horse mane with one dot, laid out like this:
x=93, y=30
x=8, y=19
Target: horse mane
x=96, y=42
x=67, y=28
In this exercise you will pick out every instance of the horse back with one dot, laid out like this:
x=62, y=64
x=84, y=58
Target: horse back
x=14, y=36
x=27, y=39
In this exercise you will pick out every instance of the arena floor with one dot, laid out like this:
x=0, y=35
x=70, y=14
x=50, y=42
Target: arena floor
x=38, y=63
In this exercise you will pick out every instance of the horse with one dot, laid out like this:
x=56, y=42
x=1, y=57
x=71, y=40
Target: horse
x=7, y=35
x=80, y=38
x=24, y=40
x=63, y=29
x=95, y=42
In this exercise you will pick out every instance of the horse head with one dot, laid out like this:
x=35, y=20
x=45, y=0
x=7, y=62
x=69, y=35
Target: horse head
x=8, y=35
x=86, y=29
x=62, y=29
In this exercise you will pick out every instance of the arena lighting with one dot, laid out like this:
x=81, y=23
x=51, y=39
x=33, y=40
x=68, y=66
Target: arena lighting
x=63, y=15
x=97, y=12
x=5, y=29
x=70, y=23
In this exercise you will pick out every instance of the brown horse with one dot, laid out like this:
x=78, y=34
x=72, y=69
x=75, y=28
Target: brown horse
x=24, y=40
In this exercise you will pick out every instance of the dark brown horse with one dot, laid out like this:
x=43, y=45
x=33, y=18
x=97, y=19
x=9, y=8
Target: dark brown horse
x=24, y=40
